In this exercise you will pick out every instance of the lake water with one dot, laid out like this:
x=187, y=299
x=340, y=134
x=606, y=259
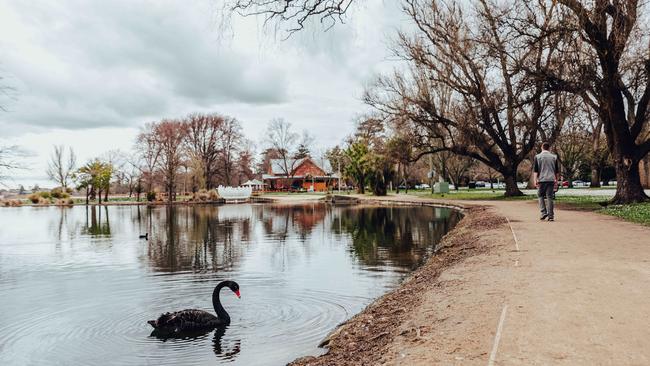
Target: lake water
x=77, y=285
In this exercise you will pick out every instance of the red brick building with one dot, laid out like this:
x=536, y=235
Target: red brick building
x=300, y=175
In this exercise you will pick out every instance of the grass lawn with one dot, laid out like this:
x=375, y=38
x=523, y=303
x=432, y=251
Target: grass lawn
x=469, y=195
x=638, y=212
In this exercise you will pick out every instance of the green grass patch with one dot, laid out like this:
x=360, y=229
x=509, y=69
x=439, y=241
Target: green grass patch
x=582, y=202
x=471, y=195
x=637, y=212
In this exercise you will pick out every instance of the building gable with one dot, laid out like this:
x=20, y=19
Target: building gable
x=308, y=167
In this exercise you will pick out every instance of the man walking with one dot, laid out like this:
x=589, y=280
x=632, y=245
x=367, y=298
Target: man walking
x=547, y=173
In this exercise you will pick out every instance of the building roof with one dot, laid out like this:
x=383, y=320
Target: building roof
x=253, y=182
x=277, y=165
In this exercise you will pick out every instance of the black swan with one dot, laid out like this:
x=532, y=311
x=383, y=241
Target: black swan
x=145, y=236
x=189, y=320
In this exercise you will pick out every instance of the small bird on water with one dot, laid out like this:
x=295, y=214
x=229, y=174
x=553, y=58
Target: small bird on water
x=145, y=236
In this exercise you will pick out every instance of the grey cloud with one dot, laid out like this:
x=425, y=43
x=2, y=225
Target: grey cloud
x=115, y=63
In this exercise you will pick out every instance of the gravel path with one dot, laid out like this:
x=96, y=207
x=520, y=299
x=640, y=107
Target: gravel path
x=571, y=292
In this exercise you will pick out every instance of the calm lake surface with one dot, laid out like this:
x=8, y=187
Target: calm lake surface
x=77, y=285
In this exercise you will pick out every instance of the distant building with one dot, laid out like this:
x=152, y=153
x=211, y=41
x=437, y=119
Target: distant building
x=300, y=175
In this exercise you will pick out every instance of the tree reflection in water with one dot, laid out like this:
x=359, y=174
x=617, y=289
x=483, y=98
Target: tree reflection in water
x=97, y=222
x=212, y=238
x=401, y=235
x=198, y=238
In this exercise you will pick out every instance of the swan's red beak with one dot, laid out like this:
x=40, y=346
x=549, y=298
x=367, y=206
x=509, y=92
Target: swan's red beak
x=237, y=293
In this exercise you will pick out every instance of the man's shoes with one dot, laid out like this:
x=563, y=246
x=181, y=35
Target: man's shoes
x=551, y=219
x=544, y=216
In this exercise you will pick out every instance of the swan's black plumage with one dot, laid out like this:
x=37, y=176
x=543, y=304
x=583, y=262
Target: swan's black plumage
x=189, y=320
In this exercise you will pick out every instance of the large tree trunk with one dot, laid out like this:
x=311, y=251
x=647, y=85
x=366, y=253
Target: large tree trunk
x=628, y=183
x=362, y=186
x=511, y=185
x=595, y=175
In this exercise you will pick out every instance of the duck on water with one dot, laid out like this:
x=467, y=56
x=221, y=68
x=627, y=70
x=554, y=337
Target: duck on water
x=192, y=320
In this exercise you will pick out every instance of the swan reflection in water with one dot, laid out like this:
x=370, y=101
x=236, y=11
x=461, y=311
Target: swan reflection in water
x=228, y=351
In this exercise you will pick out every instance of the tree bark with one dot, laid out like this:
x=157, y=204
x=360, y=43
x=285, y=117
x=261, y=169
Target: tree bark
x=512, y=190
x=595, y=175
x=628, y=183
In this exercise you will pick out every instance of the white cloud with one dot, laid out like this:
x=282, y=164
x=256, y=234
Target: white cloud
x=97, y=66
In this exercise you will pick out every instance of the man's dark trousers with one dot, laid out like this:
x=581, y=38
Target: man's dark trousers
x=546, y=191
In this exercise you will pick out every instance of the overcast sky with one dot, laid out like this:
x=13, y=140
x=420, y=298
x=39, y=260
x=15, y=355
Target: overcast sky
x=89, y=73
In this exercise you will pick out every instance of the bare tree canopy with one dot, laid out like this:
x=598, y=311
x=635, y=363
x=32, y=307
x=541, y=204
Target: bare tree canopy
x=8, y=155
x=284, y=141
x=169, y=136
x=293, y=15
x=60, y=169
x=466, y=90
x=202, y=143
x=148, y=154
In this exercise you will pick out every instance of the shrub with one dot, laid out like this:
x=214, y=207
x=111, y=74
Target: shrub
x=70, y=201
x=213, y=195
x=34, y=198
x=12, y=203
x=201, y=195
x=151, y=196
x=59, y=193
x=45, y=194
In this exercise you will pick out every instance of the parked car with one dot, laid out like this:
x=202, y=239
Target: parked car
x=565, y=184
x=480, y=184
x=422, y=186
x=580, y=183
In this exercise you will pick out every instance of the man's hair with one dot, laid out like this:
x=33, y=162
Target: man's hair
x=546, y=146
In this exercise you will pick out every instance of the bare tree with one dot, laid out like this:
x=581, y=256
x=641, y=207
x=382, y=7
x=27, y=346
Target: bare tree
x=573, y=150
x=452, y=167
x=244, y=163
x=169, y=136
x=60, y=169
x=291, y=14
x=8, y=155
x=229, y=148
x=607, y=63
x=466, y=91
x=203, y=143
x=284, y=142
x=149, y=154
